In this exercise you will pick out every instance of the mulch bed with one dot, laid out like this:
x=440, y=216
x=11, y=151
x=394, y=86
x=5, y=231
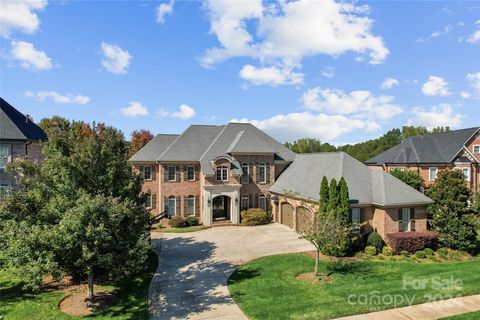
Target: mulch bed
x=75, y=305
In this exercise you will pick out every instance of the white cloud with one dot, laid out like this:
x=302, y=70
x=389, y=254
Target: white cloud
x=474, y=79
x=465, y=95
x=442, y=115
x=389, y=83
x=58, y=98
x=435, y=86
x=439, y=33
x=29, y=57
x=475, y=37
x=361, y=103
x=115, y=59
x=163, y=10
x=305, y=124
x=134, y=109
x=270, y=75
x=284, y=33
x=328, y=72
x=20, y=15
x=184, y=112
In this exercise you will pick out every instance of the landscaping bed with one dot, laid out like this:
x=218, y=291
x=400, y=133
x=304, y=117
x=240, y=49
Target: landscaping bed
x=131, y=298
x=268, y=288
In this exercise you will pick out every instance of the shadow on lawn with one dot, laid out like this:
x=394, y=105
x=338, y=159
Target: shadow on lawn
x=13, y=292
x=187, y=280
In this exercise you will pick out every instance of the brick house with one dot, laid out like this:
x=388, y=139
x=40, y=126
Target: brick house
x=214, y=172
x=20, y=137
x=429, y=154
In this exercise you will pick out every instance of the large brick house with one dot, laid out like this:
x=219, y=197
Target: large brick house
x=214, y=172
x=429, y=154
x=20, y=137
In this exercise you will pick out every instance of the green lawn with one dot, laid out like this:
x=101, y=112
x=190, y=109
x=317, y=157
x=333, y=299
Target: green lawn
x=267, y=288
x=15, y=303
x=466, y=316
x=182, y=230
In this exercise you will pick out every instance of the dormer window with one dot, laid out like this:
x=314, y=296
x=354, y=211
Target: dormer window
x=221, y=173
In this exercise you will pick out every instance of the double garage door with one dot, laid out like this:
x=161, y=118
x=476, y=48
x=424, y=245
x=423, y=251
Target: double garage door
x=287, y=214
x=304, y=217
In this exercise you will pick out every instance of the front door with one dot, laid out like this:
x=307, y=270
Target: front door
x=219, y=207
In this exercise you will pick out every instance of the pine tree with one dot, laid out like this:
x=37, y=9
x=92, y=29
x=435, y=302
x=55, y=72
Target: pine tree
x=333, y=196
x=344, y=203
x=323, y=203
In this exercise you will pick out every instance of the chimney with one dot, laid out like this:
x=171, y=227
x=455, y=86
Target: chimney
x=28, y=118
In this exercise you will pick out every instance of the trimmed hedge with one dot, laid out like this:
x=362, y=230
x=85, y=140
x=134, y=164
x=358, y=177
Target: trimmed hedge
x=412, y=241
x=375, y=239
x=254, y=217
x=177, y=222
x=191, y=221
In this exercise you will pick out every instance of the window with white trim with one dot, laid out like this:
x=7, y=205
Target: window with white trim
x=246, y=172
x=262, y=202
x=405, y=220
x=190, y=173
x=262, y=173
x=476, y=148
x=191, y=205
x=147, y=172
x=171, y=206
x=432, y=173
x=245, y=202
x=148, y=201
x=466, y=173
x=5, y=155
x=172, y=173
x=356, y=219
x=5, y=190
x=222, y=173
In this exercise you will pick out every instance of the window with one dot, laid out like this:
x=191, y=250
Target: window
x=148, y=201
x=172, y=173
x=5, y=155
x=406, y=221
x=246, y=172
x=245, y=202
x=356, y=219
x=466, y=173
x=476, y=148
x=147, y=173
x=171, y=206
x=190, y=173
x=191, y=205
x=4, y=190
x=432, y=173
x=262, y=173
x=262, y=202
x=222, y=173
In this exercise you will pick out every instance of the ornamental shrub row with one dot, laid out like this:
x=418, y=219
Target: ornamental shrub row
x=412, y=241
x=254, y=217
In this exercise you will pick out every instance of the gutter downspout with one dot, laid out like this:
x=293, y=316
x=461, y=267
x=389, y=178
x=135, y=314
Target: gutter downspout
x=27, y=143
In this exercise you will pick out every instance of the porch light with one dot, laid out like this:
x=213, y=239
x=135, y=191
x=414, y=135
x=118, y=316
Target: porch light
x=236, y=200
x=209, y=202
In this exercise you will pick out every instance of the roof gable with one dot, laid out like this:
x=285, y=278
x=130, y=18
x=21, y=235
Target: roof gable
x=16, y=126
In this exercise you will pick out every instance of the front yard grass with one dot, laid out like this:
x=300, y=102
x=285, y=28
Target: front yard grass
x=182, y=230
x=132, y=296
x=466, y=316
x=267, y=288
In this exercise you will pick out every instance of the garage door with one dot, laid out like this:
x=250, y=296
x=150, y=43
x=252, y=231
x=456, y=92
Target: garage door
x=287, y=214
x=304, y=220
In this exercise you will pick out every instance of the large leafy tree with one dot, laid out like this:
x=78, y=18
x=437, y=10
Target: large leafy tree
x=412, y=178
x=309, y=145
x=452, y=197
x=139, y=139
x=81, y=212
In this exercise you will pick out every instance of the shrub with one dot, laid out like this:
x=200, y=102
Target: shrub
x=374, y=239
x=387, y=251
x=420, y=254
x=177, y=222
x=254, y=217
x=428, y=252
x=443, y=253
x=191, y=221
x=370, y=251
x=405, y=254
x=412, y=241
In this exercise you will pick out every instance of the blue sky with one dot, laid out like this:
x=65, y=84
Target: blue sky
x=340, y=72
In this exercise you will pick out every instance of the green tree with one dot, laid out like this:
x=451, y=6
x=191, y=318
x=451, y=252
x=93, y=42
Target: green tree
x=452, y=196
x=309, y=145
x=333, y=196
x=412, y=178
x=344, y=202
x=323, y=202
x=87, y=187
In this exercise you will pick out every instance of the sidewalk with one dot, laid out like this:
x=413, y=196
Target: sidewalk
x=425, y=311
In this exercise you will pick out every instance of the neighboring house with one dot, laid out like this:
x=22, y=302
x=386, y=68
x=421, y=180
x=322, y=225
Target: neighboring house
x=429, y=154
x=214, y=172
x=20, y=137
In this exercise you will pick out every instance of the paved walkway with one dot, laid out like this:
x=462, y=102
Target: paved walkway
x=425, y=311
x=191, y=279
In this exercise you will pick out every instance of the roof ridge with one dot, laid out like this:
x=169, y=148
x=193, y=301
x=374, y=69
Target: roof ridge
x=213, y=142
x=171, y=144
x=235, y=141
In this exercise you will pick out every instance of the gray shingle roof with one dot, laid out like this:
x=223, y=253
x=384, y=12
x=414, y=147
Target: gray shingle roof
x=14, y=125
x=366, y=186
x=155, y=147
x=432, y=148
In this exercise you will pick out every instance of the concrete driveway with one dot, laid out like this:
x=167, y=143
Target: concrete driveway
x=191, y=279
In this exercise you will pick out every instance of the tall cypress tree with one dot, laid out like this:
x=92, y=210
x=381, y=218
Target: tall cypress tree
x=344, y=202
x=333, y=197
x=323, y=202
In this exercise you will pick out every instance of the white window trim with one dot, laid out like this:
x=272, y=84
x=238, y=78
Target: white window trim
x=264, y=178
x=473, y=149
x=246, y=175
x=245, y=196
x=354, y=223
x=408, y=220
x=262, y=196
x=151, y=170
x=194, y=206
x=467, y=178
x=149, y=196
x=430, y=174
x=174, y=206
x=222, y=178
x=188, y=167
x=9, y=157
x=174, y=171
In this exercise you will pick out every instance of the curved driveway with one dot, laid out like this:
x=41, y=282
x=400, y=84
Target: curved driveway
x=191, y=279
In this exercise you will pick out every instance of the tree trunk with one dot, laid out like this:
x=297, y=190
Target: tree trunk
x=90, y=286
x=317, y=259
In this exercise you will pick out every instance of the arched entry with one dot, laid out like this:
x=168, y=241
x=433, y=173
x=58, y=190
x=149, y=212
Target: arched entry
x=304, y=220
x=221, y=208
x=287, y=214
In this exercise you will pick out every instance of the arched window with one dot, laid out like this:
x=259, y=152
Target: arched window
x=262, y=202
x=246, y=172
x=171, y=206
x=190, y=205
x=245, y=202
x=262, y=173
x=222, y=173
